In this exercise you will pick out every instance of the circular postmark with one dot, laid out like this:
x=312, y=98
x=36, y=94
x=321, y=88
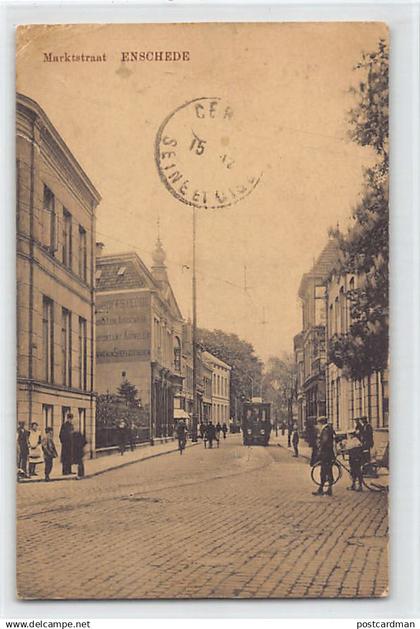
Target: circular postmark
x=203, y=154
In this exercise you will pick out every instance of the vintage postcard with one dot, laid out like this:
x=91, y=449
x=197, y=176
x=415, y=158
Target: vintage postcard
x=202, y=311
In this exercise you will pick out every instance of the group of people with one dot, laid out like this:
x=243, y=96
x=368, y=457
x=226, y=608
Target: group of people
x=211, y=432
x=358, y=445
x=35, y=449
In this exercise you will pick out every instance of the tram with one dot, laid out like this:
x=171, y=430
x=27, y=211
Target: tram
x=256, y=423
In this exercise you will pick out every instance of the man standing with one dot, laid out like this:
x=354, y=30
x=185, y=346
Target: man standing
x=66, y=441
x=79, y=442
x=312, y=438
x=50, y=453
x=211, y=433
x=366, y=434
x=295, y=440
x=326, y=456
x=23, y=448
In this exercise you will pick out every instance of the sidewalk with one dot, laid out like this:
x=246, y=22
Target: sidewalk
x=303, y=448
x=102, y=464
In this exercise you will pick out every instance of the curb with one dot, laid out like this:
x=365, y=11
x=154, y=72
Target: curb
x=108, y=469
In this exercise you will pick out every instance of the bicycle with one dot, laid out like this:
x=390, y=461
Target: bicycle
x=182, y=442
x=375, y=473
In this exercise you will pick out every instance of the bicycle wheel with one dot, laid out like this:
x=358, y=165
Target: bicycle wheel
x=375, y=478
x=316, y=473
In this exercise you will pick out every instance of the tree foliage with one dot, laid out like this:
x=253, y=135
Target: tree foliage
x=246, y=374
x=124, y=404
x=365, y=247
x=278, y=384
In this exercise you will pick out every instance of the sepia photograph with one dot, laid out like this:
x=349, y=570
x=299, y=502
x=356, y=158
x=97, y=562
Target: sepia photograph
x=202, y=311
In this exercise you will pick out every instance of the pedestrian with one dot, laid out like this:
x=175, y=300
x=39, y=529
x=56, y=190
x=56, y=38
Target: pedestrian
x=49, y=450
x=181, y=433
x=131, y=436
x=224, y=430
x=202, y=430
x=211, y=433
x=366, y=438
x=354, y=448
x=66, y=441
x=79, y=442
x=218, y=429
x=312, y=436
x=35, y=449
x=289, y=434
x=295, y=440
x=121, y=436
x=326, y=457
x=22, y=436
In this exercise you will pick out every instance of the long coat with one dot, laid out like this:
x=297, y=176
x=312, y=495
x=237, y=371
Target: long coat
x=79, y=442
x=65, y=436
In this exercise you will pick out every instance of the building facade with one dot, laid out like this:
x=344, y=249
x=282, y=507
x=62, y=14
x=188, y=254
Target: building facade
x=310, y=348
x=347, y=399
x=56, y=205
x=220, y=411
x=139, y=334
x=184, y=400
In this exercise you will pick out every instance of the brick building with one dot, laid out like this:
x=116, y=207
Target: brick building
x=139, y=334
x=310, y=350
x=349, y=399
x=220, y=411
x=56, y=205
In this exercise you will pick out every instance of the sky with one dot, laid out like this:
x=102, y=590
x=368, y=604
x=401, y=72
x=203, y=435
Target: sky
x=288, y=84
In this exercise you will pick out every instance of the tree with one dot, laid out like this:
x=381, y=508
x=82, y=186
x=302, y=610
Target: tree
x=129, y=392
x=246, y=374
x=278, y=385
x=365, y=247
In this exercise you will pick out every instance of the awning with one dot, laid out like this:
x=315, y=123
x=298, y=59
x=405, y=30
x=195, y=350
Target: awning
x=179, y=413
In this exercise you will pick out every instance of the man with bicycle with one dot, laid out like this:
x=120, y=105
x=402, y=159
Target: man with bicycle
x=181, y=433
x=326, y=456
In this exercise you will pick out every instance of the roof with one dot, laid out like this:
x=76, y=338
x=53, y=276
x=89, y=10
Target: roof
x=211, y=358
x=124, y=271
x=323, y=266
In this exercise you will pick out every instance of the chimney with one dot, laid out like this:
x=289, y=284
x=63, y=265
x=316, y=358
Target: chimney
x=99, y=248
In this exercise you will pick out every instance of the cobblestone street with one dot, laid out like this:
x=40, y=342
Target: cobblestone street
x=230, y=522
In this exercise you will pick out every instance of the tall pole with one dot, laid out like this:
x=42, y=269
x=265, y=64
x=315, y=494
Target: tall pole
x=194, y=331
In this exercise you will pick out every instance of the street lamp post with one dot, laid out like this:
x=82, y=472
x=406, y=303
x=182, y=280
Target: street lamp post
x=194, y=331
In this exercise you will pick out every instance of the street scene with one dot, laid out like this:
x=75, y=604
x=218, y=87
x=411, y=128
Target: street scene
x=230, y=522
x=202, y=312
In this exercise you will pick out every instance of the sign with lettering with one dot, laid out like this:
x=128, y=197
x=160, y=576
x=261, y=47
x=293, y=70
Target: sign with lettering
x=123, y=328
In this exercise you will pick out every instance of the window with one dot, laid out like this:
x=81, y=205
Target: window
x=67, y=238
x=82, y=354
x=82, y=421
x=65, y=410
x=177, y=354
x=83, y=254
x=49, y=222
x=47, y=339
x=351, y=289
x=342, y=311
x=66, y=362
x=48, y=415
x=336, y=315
